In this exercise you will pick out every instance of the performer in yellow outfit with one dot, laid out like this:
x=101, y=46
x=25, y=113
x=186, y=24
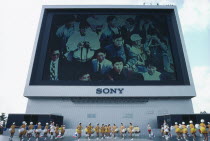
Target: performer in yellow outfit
x=177, y=131
x=184, y=131
x=181, y=131
x=130, y=128
x=63, y=129
x=89, y=130
x=208, y=127
x=97, y=130
x=86, y=130
x=114, y=130
x=106, y=129
x=102, y=131
x=109, y=128
x=12, y=130
x=22, y=130
x=122, y=130
x=180, y=127
x=79, y=130
x=192, y=130
x=203, y=130
x=162, y=131
x=25, y=131
x=56, y=131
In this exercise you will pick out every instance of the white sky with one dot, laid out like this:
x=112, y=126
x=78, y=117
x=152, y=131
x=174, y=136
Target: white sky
x=19, y=21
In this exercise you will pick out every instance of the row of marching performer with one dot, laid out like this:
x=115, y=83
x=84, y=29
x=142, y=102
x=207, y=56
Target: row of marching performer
x=181, y=130
x=108, y=131
x=37, y=131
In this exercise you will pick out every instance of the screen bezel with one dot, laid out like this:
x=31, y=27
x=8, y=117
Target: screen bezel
x=41, y=49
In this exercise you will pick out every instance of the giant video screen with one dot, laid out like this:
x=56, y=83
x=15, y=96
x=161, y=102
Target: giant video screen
x=102, y=48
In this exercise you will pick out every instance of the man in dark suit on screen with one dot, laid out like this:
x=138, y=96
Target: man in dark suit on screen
x=55, y=67
x=100, y=66
x=119, y=72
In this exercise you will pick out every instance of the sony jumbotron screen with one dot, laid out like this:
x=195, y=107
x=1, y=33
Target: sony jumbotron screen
x=86, y=47
x=109, y=46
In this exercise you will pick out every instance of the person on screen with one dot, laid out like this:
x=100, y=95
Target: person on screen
x=136, y=54
x=83, y=43
x=128, y=29
x=96, y=23
x=146, y=26
x=84, y=76
x=119, y=72
x=152, y=73
x=167, y=56
x=101, y=66
x=158, y=53
x=155, y=50
x=54, y=67
x=117, y=48
x=82, y=46
x=65, y=31
x=111, y=29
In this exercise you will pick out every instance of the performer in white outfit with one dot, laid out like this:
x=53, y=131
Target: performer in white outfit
x=22, y=130
x=166, y=131
x=149, y=128
x=46, y=131
x=122, y=131
x=83, y=44
x=12, y=131
x=52, y=130
x=38, y=131
x=30, y=131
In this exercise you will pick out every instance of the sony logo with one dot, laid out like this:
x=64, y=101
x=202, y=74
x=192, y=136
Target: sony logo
x=109, y=90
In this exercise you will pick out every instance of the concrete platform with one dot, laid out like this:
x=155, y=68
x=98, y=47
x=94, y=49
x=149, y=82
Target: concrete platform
x=5, y=137
x=70, y=138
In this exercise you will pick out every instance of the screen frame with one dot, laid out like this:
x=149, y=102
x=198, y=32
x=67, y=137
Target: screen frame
x=41, y=48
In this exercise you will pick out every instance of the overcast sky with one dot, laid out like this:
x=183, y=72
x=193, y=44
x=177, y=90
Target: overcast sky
x=19, y=22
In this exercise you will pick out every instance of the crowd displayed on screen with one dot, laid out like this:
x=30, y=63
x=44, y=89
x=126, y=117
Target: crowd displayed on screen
x=110, y=47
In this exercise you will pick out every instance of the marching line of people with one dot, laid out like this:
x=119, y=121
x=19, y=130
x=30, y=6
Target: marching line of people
x=38, y=131
x=182, y=133
x=108, y=131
